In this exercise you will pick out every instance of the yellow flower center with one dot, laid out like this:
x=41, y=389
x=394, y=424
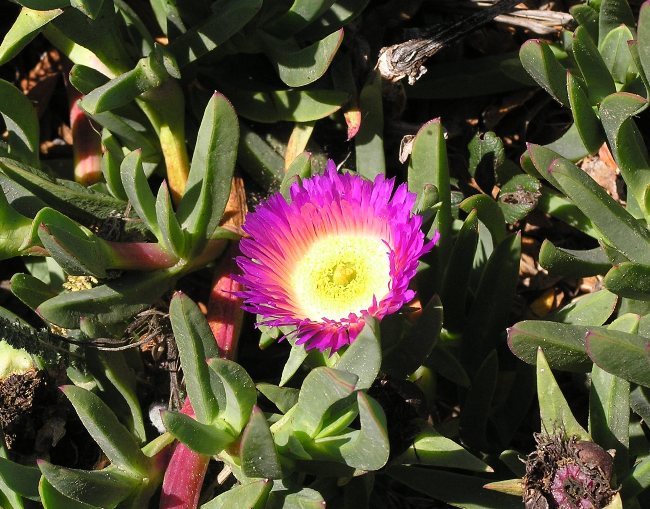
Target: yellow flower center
x=339, y=275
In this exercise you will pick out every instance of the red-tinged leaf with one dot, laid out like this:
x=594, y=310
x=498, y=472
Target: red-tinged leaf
x=353, y=121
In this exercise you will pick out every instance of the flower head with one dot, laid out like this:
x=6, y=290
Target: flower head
x=341, y=251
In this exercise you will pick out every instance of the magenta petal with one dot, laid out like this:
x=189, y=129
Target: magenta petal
x=323, y=205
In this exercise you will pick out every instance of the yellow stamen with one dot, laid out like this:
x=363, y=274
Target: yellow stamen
x=340, y=275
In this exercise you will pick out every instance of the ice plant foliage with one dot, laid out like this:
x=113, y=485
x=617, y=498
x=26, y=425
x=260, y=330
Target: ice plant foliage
x=341, y=250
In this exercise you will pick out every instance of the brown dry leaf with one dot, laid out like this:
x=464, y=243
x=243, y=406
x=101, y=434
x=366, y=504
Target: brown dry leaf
x=603, y=169
x=590, y=284
x=40, y=82
x=547, y=302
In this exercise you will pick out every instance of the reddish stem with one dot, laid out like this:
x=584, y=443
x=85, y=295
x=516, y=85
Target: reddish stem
x=186, y=470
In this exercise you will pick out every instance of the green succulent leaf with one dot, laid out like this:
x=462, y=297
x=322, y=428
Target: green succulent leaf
x=363, y=357
x=52, y=499
x=428, y=165
x=100, y=488
x=369, y=141
x=230, y=18
x=191, y=331
x=258, y=454
x=637, y=480
x=239, y=396
x=213, y=163
x=431, y=448
x=306, y=498
x=113, y=302
x=620, y=353
x=457, y=275
x=518, y=197
x=629, y=280
x=558, y=206
x=21, y=122
x=613, y=14
x=288, y=105
x=259, y=160
x=208, y=439
x=320, y=390
x=137, y=189
x=489, y=312
x=251, y=495
x=540, y=62
x=172, y=236
x=300, y=14
x=112, y=437
x=567, y=262
x=489, y=213
x=77, y=250
x=584, y=116
x=300, y=67
x=460, y=490
x=587, y=17
x=554, y=411
x=592, y=309
x=616, y=55
x=476, y=408
x=21, y=479
x=299, y=168
x=30, y=290
x=563, y=343
x=408, y=354
x=26, y=27
x=282, y=397
x=617, y=226
x=16, y=230
x=599, y=81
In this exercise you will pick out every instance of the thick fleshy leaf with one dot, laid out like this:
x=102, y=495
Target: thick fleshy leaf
x=282, y=397
x=306, y=498
x=172, y=236
x=231, y=17
x=540, y=62
x=208, y=439
x=594, y=71
x=459, y=490
x=77, y=250
x=288, y=105
x=239, y=394
x=299, y=168
x=478, y=402
x=21, y=479
x=637, y=480
x=613, y=14
x=568, y=262
x=617, y=226
x=30, y=290
x=259, y=457
x=252, y=495
x=300, y=14
x=321, y=389
x=630, y=280
x=363, y=357
x=137, y=189
x=52, y=499
x=16, y=229
x=259, y=160
x=555, y=412
x=518, y=197
x=584, y=116
x=445, y=363
x=368, y=448
x=112, y=437
x=301, y=67
x=369, y=141
x=489, y=213
x=407, y=355
x=489, y=313
x=570, y=145
x=620, y=353
x=587, y=17
x=100, y=488
x=558, y=206
x=428, y=165
x=26, y=27
x=457, y=275
x=592, y=309
x=192, y=332
x=21, y=122
x=616, y=55
x=627, y=144
x=486, y=155
x=431, y=448
x=113, y=302
x=563, y=344
x=213, y=163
